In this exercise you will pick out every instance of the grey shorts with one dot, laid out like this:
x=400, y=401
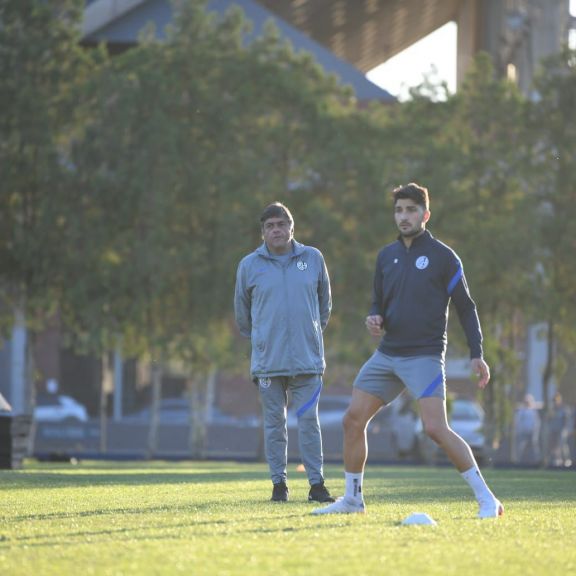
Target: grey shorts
x=388, y=376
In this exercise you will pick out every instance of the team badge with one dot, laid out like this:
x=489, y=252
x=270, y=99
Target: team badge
x=301, y=265
x=264, y=383
x=422, y=262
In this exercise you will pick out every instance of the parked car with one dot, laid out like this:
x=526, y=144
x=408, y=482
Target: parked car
x=391, y=433
x=331, y=410
x=4, y=406
x=466, y=418
x=397, y=420
x=59, y=408
x=176, y=410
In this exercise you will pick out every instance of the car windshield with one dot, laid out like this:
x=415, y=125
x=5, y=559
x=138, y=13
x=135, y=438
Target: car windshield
x=47, y=400
x=462, y=410
x=336, y=405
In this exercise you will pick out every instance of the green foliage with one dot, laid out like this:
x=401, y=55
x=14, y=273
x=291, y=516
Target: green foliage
x=156, y=168
x=488, y=192
x=187, y=141
x=553, y=160
x=130, y=187
x=41, y=65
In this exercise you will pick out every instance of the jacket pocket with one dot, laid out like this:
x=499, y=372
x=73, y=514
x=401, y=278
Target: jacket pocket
x=258, y=350
x=317, y=338
x=258, y=341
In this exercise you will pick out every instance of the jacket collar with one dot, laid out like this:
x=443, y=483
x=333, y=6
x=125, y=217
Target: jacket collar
x=422, y=239
x=297, y=249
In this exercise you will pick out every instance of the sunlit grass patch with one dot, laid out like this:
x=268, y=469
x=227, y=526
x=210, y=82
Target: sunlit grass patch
x=212, y=518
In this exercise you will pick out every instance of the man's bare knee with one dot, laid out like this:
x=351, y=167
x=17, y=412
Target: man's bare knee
x=436, y=431
x=353, y=423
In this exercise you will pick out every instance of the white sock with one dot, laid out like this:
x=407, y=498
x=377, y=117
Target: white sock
x=354, y=485
x=476, y=481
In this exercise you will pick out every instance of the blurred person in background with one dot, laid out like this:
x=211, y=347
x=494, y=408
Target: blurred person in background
x=559, y=426
x=527, y=429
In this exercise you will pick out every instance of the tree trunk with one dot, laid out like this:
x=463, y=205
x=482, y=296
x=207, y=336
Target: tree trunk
x=210, y=394
x=106, y=387
x=546, y=378
x=154, y=409
x=19, y=359
x=490, y=422
x=202, y=395
x=30, y=390
x=118, y=383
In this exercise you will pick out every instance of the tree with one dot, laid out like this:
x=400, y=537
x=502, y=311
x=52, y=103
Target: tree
x=492, y=199
x=41, y=67
x=187, y=141
x=553, y=157
x=469, y=151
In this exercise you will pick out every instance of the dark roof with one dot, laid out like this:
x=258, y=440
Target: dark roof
x=119, y=23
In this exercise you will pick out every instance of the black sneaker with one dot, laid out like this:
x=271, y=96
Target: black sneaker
x=319, y=493
x=280, y=492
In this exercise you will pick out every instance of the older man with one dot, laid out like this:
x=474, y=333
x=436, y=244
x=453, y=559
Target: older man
x=282, y=303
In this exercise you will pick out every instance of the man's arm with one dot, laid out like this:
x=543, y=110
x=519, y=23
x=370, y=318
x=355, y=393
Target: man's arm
x=375, y=319
x=466, y=309
x=468, y=316
x=324, y=295
x=482, y=371
x=242, y=303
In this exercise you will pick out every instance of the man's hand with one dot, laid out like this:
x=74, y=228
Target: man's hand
x=482, y=370
x=374, y=325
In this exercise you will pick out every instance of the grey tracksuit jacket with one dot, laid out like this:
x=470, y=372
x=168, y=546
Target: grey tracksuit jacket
x=283, y=307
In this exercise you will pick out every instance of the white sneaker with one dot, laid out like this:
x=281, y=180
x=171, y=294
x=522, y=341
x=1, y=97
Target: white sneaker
x=492, y=508
x=342, y=506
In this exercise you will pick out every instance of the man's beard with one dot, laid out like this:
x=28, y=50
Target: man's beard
x=411, y=233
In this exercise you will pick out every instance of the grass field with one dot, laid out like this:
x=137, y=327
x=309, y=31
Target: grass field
x=215, y=518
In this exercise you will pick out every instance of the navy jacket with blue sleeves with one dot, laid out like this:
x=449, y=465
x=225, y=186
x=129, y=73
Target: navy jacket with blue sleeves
x=412, y=292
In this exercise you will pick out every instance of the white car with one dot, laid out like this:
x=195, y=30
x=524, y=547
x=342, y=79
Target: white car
x=394, y=423
x=176, y=411
x=59, y=408
x=467, y=420
x=331, y=410
x=397, y=420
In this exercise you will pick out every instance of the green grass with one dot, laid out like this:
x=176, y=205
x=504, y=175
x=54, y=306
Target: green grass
x=207, y=518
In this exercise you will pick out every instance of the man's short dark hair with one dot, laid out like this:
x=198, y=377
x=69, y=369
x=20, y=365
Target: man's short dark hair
x=418, y=194
x=276, y=210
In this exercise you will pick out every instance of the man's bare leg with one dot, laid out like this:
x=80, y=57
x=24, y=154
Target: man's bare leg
x=362, y=408
x=435, y=421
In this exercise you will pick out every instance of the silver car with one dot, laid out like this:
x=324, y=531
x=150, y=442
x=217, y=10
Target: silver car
x=390, y=433
x=466, y=417
x=331, y=410
x=59, y=408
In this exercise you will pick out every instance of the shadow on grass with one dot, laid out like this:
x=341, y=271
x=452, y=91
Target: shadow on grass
x=211, y=506
x=417, y=484
x=51, y=480
x=518, y=486
x=177, y=530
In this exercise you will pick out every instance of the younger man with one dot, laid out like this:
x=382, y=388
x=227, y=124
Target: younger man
x=415, y=279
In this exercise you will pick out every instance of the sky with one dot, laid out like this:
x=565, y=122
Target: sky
x=433, y=56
